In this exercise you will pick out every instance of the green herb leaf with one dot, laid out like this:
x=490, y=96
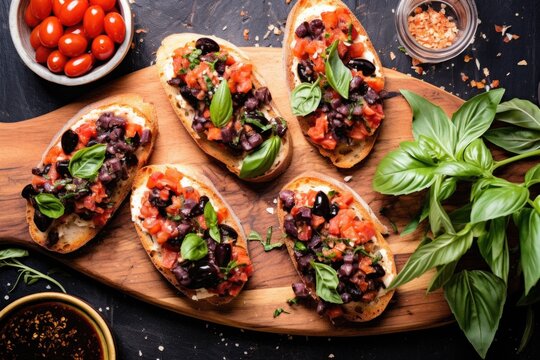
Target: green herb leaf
x=522, y=113
x=458, y=169
x=49, y=205
x=305, y=98
x=448, y=187
x=262, y=159
x=443, y=250
x=475, y=116
x=431, y=121
x=221, y=108
x=211, y=220
x=338, y=75
x=292, y=301
x=528, y=331
x=514, y=139
x=444, y=273
x=254, y=236
x=300, y=246
x=86, y=162
x=438, y=218
x=529, y=244
x=326, y=282
x=476, y=299
x=257, y=123
x=478, y=154
x=268, y=246
x=279, y=311
x=398, y=173
x=494, y=248
x=11, y=253
x=492, y=203
x=532, y=176
x=193, y=247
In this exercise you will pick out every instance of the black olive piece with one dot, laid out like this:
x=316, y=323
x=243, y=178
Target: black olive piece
x=42, y=222
x=69, y=141
x=86, y=215
x=222, y=254
x=131, y=160
x=28, y=191
x=186, y=93
x=136, y=140
x=52, y=238
x=219, y=66
x=176, y=81
x=203, y=274
x=321, y=206
x=199, y=208
x=363, y=65
x=306, y=73
x=379, y=272
x=302, y=30
x=62, y=167
x=69, y=206
x=206, y=45
x=334, y=209
x=228, y=231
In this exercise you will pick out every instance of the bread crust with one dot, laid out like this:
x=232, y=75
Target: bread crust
x=353, y=311
x=74, y=236
x=215, y=150
x=344, y=156
x=204, y=186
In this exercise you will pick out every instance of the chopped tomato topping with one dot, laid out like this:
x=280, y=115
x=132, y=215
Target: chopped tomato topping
x=239, y=77
x=316, y=133
x=214, y=133
x=153, y=180
x=304, y=232
x=317, y=221
x=334, y=312
x=356, y=50
x=169, y=257
x=86, y=131
x=179, y=62
x=53, y=155
x=376, y=83
x=222, y=214
x=359, y=131
x=344, y=199
x=132, y=129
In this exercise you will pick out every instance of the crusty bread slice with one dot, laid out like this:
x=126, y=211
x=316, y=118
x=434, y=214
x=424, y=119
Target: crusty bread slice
x=75, y=232
x=186, y=113
x=205, y=187
x=353, y=311
x=343, y=156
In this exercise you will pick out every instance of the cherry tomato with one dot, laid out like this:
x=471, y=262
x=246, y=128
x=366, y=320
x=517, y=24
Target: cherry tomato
x=105, y=4
x=72, y=45
x=42, y=53
x=50, y=31
x=102, y=47
x=77, y=29
x=93, y=21
x=56, y=61
x=41, y=8
x=72, y=12
x=30, y=19
x=115, y=27
x=57, y=6
x=79, y=65
x=34, y=38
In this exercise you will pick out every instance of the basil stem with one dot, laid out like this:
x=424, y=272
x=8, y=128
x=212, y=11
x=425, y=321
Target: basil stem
x=221, y=108
x=85, y=164
x=262, y=159
x=193, y=247
x=338, y=75
x=305, y=98
x=49, y=205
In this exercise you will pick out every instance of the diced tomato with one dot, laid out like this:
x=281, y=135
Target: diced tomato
x=168, y=256
x=376, y=83
x=190, y=193
x=202, y=222
x=53, y=155
x=342, y=49
x=152, y=225
x=240, y=77
x=328, y=143
x=222, y=214
x=235, y=290
x=330, y=19
x=310, y=198
x=38, y=181
x=358, y=132
x=316, y=133
x=316, y=221
x=334, y=311
x=318, y=65
x=365, y=265
x=176, y=205
x=153, y=180
x=230, y=60
x=349, y=233
x=364, y=228
x=174, y=175
x=214, y=133
x=132, y=129
x=344, y=199
x=206, y=113
x=356, y=50
x=179, y=62
x=304, y=232
x=101, y=219
x=241, y=256
x=86, y=132
x=147, y=210
x=98, y=192
x=195, y=78
x=299, y=49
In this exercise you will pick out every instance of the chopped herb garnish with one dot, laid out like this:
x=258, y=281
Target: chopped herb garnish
x=300, y=246
x=279, y=311
x=292, y=301
x=331, y=193
x=267, y=245
x=230, y=267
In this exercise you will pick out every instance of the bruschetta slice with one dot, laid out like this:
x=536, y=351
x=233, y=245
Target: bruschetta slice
x=335, y=78
x=224, y=105
x=190, y=233
x=336, y=245
x=87, y=171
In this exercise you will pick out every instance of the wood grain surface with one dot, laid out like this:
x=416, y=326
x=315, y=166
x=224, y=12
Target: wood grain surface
x=116, y=257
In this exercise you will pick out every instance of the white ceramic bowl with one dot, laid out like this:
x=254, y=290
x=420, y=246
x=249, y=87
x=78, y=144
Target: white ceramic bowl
x=20, y=34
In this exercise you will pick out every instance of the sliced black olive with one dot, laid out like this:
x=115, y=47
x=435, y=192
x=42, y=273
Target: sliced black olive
x=222, y=254
x=334, y=209
x=42, y=222
x=379, y=272
x=199, y=208
x=321, y=206
x=28, y=191
x=305, y=70
x=62, y=167
x=69, y=141
x=131, y=159
x=207, y=45
x=228, y=231
x=186, y=93
x=363, y=65
x=203, y=274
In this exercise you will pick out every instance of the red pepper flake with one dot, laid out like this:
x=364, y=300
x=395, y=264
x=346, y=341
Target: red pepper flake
x=494, y=84
x=467, y=58
x=464, y=77
x=246, y=34
x=432, y=29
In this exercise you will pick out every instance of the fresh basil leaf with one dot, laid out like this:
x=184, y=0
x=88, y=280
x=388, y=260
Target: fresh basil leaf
x=257, y=123
x=478, y=154
x=398, y=173
x=49, y=205
x=211, y=220
x=254, y=236
x=529, y=245
x=11, y=253
x=300, y=246
x=532, y=176
x=268, y=246
x=438, y=218
x=458, y=168
x=528, y=331
x=417, y=152
x=494, y=248
x=193, y=247
x=475, y=116
x=431, y=121
x=86, y=162
x=448, y=187
x=476, y=299
x=262, y=159
x=305, y=98
x=514, y=139
x=444, y=273
x=461, y=217
x=326, y=282
x=279, y=311
x=522, y=113
x=221, y=107
x=337, y=74
x=492, y=203
x=443, y=250
x=433, y=149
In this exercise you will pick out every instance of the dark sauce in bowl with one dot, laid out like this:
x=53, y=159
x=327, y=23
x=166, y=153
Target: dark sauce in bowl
x=50, y=330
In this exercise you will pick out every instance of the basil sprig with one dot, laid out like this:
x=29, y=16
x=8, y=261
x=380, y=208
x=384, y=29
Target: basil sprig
x=193, y=247
x=267, y=245
x=221, y=108
x=338, y=75
x=305, y=98
x=326, y=282
x=49, y=205
x=262, y=159
x=210, y=217
x=85, y=164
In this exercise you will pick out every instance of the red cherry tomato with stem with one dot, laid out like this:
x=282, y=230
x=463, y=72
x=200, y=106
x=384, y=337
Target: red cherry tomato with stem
x=106, y=5
x=93, y=21
x=57, y=6
x=56, y=61
x=102, y=47
x=50, y=31
x=115, y=27
x=41, y=8
x=72, y=45
x=30, y=19
x=34, y=38
x=79, y=65
x=72, y=12
x=42, y=53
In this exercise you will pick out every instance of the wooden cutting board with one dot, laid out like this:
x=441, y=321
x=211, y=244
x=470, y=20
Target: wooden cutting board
x=116, y=257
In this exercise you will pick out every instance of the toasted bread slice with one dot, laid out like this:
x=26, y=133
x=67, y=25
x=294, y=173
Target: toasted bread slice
x=356, y=311
x=344, y=155
x=186, y=112
x=73, y=232
x=191, y=177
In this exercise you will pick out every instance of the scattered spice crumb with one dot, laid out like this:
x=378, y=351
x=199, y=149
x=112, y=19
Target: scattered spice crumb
x=138, y=31
x=392, y=55
x=415, y=61
x=347, y=178
x=246, y=34
x=140, y=353
x=522, y=63
x=6, y=297
x=275, y=201
x=467, y=58
x=277, y=31
x=486, y=72
x=477, y=62
x=464, y=77
x=498, y=54
x=502, y=29
x=257, y=38
x=161, y=348
x=243, y=13
x=432, y=29
x=331, y=356
x=494, y=84
x=270, y=210
x=224, y=28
